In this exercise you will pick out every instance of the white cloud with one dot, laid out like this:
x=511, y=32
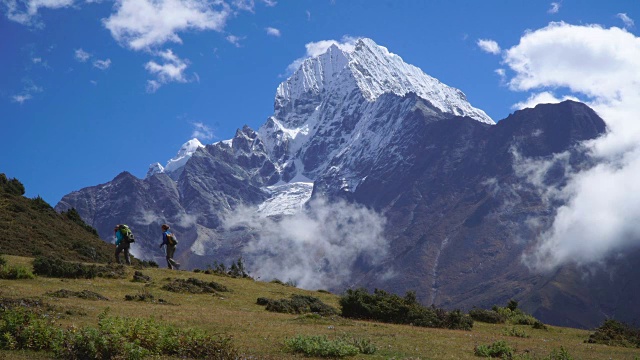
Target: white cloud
x=26, y=12
x=502, y=74
x=171, y=70
x=317, y=48
x=273, y=31
x=27, y=93
x=628, y=22
x=21, y=98
x=143, y=24
x=545, y=97
x=270, y=3
x=308, y=15
x=102, y=64
x=246, y=5
x=202, y=132
x=555, y=7
x=235, y=40
x=601, y=204
x=36, y=60
x=315, y=249
x=489, y=46
x=81, y=55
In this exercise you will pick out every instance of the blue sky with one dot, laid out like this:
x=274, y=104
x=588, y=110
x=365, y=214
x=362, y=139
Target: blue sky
x=89, y=89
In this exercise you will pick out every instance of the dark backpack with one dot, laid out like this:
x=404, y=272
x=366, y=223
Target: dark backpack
x=171, y=239
x=126, y=233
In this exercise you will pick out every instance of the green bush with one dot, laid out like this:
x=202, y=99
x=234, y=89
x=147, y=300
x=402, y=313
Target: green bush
x=11, y=272
x=487, y=316
x=391, y=308
x=194, y=286
x=561, y=354
x=3, y=261
x=115, y=338
x=514, y=331
x=499, y=349
x=616, y=333
x=321, y=346
x=298, y=304
x=54, y=267
x=13, y=186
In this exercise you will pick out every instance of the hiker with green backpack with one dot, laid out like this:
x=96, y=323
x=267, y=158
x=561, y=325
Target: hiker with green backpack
x=169, y=240
x=124, y=238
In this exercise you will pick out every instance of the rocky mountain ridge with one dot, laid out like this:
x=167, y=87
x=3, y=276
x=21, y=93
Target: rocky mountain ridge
x=361, y=127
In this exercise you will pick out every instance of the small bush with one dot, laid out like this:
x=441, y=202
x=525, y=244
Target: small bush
x=616, y=333
x=499, y=349
x=11, y=272
x=487, y=316
x=236, y=270
x=194, y=286
x=58, y=268
x=561, y=354
x=3, y=261
x=391, y=308
x=140, y=277
x=514, y=331
x=84, y=294
x=539, y=325
x=320, y=346
x=298, y=304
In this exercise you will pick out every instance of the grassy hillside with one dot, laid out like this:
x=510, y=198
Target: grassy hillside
x=259, y=334
x=30, y=227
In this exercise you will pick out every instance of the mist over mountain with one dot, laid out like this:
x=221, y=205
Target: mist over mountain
x=372, y=173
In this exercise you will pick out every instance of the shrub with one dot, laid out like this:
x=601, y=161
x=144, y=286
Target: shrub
x=561, y=354
x=499, y=349
x=236, y=270
x=53, y=267
x=194, y=286
x=487, y=316
x=616, y=333
x=73, y=215
x=13, y=186
x=3, y=261
x=391, y=308
x=298, y=304
x=320, y=346
x=11, y=272
x=514, y=331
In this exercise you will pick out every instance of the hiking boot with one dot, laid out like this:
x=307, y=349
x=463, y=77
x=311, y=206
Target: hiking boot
x=177, y=266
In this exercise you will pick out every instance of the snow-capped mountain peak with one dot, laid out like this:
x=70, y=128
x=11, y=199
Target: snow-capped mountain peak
x=375, y=71
x=186, y=150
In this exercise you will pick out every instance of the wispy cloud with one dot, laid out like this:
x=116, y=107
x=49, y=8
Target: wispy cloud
x=144, y=24
x=246, y=5
x=555, y=7
x=27, y=92
x=26, y=12
x=170, y=70
x=489, y=46
x=628, y=22
x=202, y=132
x=602, y=203
x=81, y=55
x=313, y=49
x=235, y=40
x=102, y=64
x=308, y=15
x=270, y=3
x=316, y=248
x=273, y=31
x=21, y=98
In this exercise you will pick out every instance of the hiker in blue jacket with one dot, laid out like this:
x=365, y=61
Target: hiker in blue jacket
x=121, y=246
x=169, y=240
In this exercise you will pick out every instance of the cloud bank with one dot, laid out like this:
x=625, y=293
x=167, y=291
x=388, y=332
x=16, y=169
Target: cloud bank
x=599, y=218
x=315, y=249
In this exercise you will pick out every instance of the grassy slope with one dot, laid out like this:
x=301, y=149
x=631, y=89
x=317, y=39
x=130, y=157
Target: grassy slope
x=29, y=228
x=260, y=334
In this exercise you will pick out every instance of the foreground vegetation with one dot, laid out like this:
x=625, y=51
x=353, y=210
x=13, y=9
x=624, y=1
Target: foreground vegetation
x=163, y=314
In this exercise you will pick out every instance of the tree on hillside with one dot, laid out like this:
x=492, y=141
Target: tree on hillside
x=11, y=186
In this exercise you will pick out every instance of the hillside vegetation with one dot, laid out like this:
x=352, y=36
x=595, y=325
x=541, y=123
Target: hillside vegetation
x=88, y=308
x=31, y=227
x=230, y=313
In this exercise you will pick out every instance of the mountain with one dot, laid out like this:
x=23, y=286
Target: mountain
x=372, y=173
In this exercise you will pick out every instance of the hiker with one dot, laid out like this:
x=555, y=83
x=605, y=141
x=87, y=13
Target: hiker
x=122, y=245
x=169, y=240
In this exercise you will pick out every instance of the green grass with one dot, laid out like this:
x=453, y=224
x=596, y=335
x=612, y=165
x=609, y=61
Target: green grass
x=253, y=331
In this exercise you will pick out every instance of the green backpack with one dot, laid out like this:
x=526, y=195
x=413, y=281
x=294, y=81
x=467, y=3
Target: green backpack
x=126, y=233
